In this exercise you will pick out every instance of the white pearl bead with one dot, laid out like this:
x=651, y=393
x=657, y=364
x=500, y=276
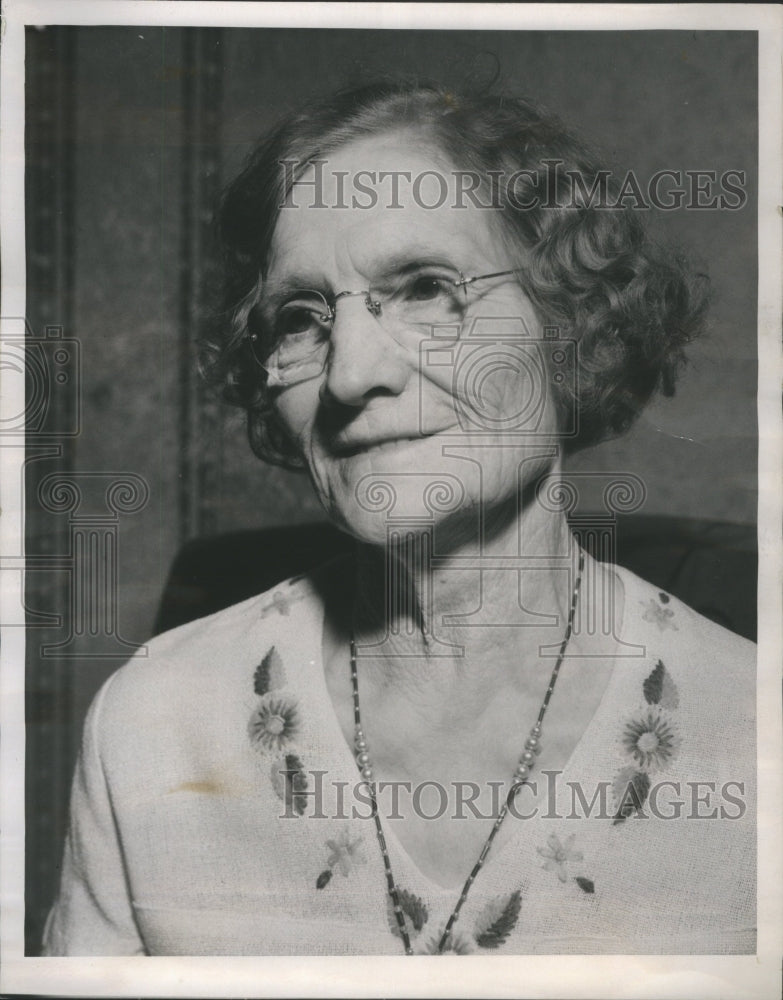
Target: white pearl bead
x=367, y=773
x=527, y=757
x=363, y=758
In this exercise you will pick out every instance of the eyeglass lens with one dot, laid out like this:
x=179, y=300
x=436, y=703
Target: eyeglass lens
x=295, y=342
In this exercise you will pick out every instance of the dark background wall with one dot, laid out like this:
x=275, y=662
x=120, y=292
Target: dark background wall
x=131, y=133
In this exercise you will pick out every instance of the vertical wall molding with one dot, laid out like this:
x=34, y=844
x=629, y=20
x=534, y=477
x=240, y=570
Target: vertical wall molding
x=191, y=108
x=199, y=412
x=49, y=198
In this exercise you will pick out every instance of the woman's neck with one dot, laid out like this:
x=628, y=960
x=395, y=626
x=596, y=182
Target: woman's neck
x=435, y=610
x=430, y=715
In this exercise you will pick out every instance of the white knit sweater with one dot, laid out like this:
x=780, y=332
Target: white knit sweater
x=180, y=844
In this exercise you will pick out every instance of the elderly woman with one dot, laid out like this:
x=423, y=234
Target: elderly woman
x=470, y=736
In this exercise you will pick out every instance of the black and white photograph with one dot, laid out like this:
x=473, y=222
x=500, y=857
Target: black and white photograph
x=391, y=444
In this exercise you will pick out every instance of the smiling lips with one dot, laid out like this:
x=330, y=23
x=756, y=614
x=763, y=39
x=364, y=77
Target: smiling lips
x=348, y=449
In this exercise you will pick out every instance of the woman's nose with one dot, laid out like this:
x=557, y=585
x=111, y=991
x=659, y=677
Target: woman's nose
x=364, y=359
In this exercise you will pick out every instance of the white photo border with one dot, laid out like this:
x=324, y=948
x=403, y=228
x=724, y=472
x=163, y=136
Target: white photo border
x=500, y=976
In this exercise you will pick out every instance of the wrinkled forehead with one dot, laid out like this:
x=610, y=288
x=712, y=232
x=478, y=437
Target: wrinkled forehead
x=381, y=197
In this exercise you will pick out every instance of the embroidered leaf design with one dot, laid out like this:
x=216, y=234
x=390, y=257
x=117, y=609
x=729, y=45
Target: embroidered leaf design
x=660, y=689
x=277, y=774
x=634, y=794
x=323, y=878
x=585, y=884
x=653, y=685
x=289, y=781
x=296, y=781
x=269, y=673
x=669, y=696
x=497, y=920
x=414, y=908
x=620, y=785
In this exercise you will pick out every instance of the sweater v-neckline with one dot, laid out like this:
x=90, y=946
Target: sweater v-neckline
x=502, y=847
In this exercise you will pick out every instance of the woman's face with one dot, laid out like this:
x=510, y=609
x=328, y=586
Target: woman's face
x=397, y=411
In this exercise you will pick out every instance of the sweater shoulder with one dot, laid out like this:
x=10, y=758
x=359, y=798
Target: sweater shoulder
x=718, y=666
x=198, y=664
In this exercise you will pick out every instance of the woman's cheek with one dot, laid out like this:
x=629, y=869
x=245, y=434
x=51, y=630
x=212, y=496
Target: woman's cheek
x=295, y=409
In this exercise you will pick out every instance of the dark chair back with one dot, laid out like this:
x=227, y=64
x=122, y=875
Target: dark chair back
x=709, y=565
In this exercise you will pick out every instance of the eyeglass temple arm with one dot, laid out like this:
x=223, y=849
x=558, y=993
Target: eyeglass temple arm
x=480, y=277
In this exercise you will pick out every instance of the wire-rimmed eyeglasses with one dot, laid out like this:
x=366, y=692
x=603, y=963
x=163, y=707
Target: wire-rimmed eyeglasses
x=293, y=343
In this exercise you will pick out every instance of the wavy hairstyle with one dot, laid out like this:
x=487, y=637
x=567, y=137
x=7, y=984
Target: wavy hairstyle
x=591, y=271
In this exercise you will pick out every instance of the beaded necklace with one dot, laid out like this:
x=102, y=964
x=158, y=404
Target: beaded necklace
x=526, y=760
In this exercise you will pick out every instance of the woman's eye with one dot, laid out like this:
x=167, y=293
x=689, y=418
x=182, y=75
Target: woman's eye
x=425, y=288
x=296, y=319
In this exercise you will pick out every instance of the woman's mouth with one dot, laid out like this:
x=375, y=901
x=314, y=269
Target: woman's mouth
x=349, y=449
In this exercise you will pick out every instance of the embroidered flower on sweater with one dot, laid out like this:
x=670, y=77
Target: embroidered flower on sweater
x=281, y=603
x=651, y=740
x=345, y=852
x=274, y=723
x=658, y=613
x=456, y=944
x=558, y=855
